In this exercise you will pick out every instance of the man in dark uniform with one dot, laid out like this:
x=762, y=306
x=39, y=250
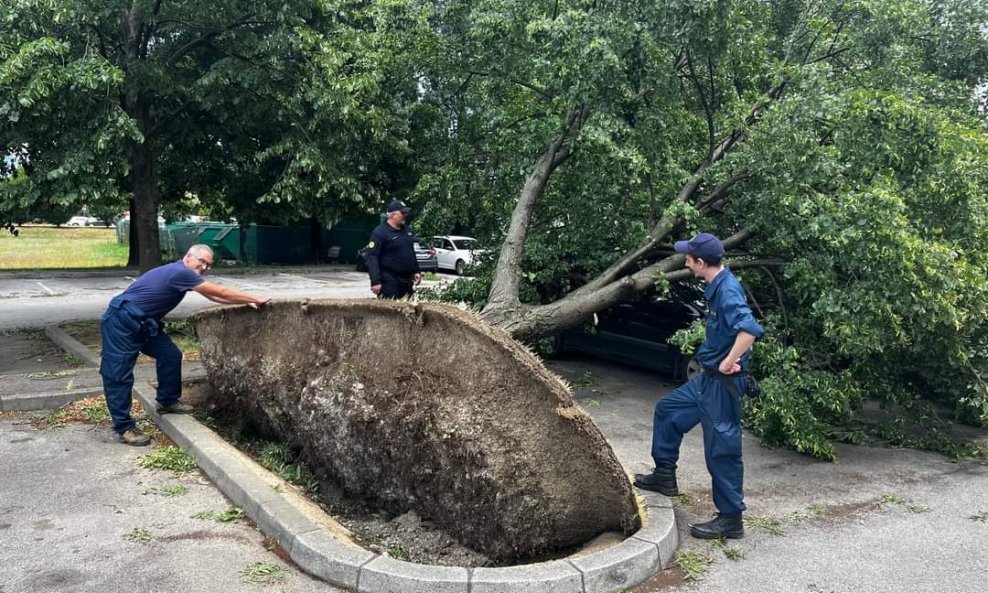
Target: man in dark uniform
x=131, y=325
x=391, y=262
x=713, y=398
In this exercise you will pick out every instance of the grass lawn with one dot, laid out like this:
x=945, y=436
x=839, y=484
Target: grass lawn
x=42, y=247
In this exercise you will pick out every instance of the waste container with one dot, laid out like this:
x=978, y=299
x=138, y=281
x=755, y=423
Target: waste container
x=183, y=236
x=277, y=244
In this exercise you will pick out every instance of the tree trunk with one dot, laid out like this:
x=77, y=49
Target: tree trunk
x=316, y=252
x=133, y=242
x=504, y=288
x=144, y=217
x=529, y=323
x=137, y=104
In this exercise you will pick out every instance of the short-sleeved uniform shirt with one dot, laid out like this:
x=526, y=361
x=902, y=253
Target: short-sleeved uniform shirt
x=160, y=290
x=728, y=314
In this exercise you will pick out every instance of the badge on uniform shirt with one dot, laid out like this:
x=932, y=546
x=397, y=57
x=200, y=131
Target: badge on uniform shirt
x=371, y=245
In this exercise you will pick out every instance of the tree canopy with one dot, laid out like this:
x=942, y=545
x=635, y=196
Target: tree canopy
x=273, y=112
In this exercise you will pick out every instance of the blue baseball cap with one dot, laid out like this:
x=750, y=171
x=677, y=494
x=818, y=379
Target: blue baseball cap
x=703, y=246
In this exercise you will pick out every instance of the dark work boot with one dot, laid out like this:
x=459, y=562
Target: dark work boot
x=175, y=408
x=661, y=480
x=729, y=526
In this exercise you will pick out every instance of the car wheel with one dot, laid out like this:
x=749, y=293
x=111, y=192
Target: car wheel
x=461, y=266
x=555, y=346
x=688, y=368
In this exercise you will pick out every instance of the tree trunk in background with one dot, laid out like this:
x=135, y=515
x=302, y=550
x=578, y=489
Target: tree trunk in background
x=144, y=216
x=137, y=104
x=316, y=252
x=132, y=240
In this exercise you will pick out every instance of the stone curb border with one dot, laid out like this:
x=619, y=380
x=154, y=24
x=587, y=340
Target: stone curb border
x=72, y=345
x=305, y=532
x=47, y=400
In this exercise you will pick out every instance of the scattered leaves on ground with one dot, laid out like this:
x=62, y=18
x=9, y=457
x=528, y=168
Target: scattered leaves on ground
x=693, y=564
x=170, y=458
x=263, y=572
x=768, y=524
x=228, y=516
x=50, y=374
x=168, y=491
x=138, y=535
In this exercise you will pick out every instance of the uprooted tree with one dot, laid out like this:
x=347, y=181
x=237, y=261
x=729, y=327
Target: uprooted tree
x=837, y=145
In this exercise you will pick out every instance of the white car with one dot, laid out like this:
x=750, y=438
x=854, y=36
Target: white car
x=81, y=221
x=454, y=252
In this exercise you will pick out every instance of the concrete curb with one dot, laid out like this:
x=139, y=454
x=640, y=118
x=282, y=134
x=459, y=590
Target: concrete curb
x=322, y=548
x=45, y=400
x=71, y=345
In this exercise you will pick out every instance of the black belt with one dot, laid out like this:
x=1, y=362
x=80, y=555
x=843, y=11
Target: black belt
x=719, y=376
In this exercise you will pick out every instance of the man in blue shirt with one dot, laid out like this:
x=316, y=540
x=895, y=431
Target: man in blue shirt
x=131, y=326
x=391, y=262
x=713, y=398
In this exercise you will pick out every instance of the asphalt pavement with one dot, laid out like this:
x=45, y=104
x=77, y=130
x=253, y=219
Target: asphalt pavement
x=78, y=514
x=880, y=520
x=33, y=299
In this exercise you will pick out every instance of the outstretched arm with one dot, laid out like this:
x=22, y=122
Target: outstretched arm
x=227, y=295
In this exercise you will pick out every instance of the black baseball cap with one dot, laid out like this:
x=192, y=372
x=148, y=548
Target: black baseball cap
x=398, y=206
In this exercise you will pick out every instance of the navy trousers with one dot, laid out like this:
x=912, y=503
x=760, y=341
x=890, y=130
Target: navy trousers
x=396, y=287
x=124, y=336
x=705, y=401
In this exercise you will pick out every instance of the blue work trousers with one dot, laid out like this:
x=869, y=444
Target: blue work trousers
x=706, y=401
x=125, y=335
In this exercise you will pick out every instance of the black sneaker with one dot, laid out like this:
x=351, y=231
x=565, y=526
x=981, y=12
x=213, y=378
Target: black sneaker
x=729, y=526
x=175, y=408
x=134, y=437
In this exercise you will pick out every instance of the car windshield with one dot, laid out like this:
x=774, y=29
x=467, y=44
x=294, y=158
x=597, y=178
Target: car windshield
x=463, y=243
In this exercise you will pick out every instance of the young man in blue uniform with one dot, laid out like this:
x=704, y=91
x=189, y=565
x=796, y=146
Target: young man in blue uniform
x=713, y=398
x=391, y=262
x=131, y=325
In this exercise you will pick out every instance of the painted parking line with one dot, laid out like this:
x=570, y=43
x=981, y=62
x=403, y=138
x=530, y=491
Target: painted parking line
x=303, y=278
x=48, y=290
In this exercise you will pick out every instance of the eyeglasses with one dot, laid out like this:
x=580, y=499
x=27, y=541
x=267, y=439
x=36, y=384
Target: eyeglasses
x=206, y=263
